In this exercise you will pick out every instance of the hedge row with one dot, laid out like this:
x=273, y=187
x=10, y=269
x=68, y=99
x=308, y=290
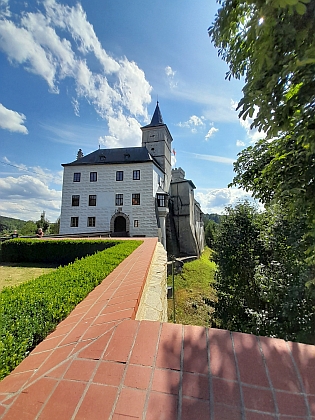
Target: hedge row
x=30, y=311
x=62, y=251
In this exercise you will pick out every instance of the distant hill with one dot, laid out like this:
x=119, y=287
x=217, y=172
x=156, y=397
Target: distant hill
x=8, y=224
x=212, y=216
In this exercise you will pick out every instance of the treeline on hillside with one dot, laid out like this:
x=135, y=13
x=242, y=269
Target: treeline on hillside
x=264, y=284
x=27, y=228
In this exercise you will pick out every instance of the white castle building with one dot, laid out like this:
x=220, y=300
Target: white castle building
x=126, y=192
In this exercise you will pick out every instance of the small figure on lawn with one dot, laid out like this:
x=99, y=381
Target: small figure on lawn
x=14, y=234
x=40, y=233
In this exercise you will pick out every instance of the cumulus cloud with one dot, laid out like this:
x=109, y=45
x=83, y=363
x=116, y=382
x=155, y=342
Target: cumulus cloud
x=122, y=129
x=12, y=120
x=193, y=123
x=57, y=42
x=211, y=132
x=26, y=196
x=215, y=200
x=170, y=73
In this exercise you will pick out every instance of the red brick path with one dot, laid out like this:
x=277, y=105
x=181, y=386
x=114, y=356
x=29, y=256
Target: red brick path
x=102, y=364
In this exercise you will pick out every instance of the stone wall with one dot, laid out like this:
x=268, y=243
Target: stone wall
x=153, y=303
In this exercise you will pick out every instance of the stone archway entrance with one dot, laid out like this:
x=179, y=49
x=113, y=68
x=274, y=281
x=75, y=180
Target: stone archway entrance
x=119, y=224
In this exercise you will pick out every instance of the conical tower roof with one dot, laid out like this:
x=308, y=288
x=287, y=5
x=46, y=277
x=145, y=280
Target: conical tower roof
x=157, y=118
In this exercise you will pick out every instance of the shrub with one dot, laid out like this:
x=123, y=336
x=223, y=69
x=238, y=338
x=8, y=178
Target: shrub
x=32, y=310
x=61, y=251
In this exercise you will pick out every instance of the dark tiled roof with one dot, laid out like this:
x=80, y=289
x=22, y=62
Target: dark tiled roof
x=118, y=155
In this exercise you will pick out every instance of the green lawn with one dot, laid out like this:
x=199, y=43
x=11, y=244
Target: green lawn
x=12, y=274
x=194, y=292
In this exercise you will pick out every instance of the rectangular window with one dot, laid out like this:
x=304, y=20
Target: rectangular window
x=135, y=199
x=91, y=221
x=119, y=175
x=93, y=176
x=160, y=200
x=92, y=200
x=136, y=174
x=74, y=222
x=136, y=223
x=119, y=200
x=75, y=200
x=77, y=177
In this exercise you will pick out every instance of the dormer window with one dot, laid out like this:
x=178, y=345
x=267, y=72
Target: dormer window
x=102, y=158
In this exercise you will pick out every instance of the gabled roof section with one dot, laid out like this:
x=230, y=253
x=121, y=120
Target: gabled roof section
x=157, y=118
x=118, y=155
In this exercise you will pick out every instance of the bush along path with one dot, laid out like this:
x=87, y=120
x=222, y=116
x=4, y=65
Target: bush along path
x=30, y=311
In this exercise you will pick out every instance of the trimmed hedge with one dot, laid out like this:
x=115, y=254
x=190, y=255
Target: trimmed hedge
x=58, y=251
x=32, y=310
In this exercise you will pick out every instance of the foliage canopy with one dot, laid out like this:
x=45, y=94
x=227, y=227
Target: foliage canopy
x=272, y=45
x=261, y=274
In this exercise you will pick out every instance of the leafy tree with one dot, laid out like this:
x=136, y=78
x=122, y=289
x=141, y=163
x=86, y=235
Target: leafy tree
x=272, y=45
x=237, y=250
x=43, y=222
x=54, y=227
x=210, y=231
x=261, y=274
x=28, y=229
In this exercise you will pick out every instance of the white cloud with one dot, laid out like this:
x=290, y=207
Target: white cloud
x=211, y=132
x=240, y=143
x=215, y=200
x=253, y=135
x=123, y=131
x=44, y=174
x=4, y=9
x=25, y=197
x=12, y=120
x=58, y=42
x=193, y=122
x=170, y=73
x=213, y=158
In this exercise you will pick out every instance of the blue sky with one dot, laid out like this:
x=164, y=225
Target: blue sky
x=83, y=74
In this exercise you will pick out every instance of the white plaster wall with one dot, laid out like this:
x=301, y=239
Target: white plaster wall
x=106, y=189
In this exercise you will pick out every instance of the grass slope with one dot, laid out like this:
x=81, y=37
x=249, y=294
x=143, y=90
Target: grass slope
x=194, y=292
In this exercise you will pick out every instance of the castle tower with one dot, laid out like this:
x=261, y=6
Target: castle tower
x=157, y=139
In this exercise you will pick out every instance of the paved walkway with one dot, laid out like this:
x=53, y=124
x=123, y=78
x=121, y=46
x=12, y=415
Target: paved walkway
x=102, y=364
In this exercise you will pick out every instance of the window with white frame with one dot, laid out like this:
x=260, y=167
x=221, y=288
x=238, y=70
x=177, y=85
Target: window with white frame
x=91, y=221
x=74, y=222
x=161, y=200
x=92, y=200
x=93, y=176
x=77, y=177
x=119, y=175
x=136, y=174
x=75, y=200
x=136, y=223
x=119, y=200
x=135, y=199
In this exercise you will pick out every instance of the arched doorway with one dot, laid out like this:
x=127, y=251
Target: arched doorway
x=120, y=224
